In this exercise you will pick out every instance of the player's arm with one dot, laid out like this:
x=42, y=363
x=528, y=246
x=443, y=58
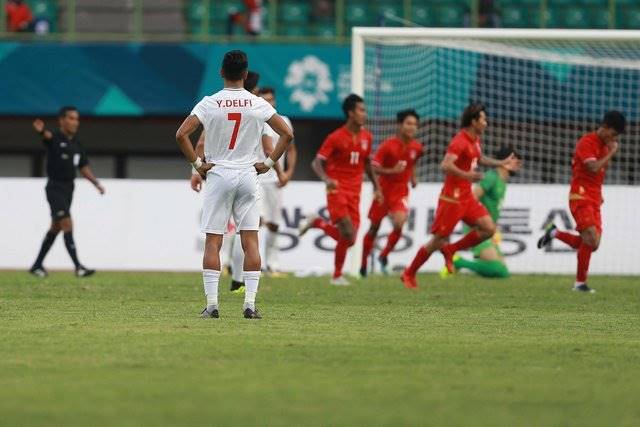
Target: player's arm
x=371, y=174
x=286, y=136
x=183, y=138
x=448, y=166
x=396, y=169
x=267, y=148
x=511, y=163
x=292, y=159
x=196, y=179
x=88, y=174
x=593, y=165
x=38, y=126
x=414, y=178
x=318, y=165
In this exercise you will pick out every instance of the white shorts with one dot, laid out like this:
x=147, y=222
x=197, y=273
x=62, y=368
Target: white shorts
x=230, y=192
x=271, y=202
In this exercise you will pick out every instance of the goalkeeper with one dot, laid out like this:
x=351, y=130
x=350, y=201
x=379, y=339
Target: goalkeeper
x=488, y=260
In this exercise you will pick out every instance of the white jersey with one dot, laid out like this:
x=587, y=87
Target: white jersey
x=272, y=176
x=233, y=120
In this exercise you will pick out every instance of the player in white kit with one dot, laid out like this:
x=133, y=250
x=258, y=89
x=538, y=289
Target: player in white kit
x=233, y=120
x=271, y=184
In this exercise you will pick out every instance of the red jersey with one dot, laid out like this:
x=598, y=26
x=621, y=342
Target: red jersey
x=18, y=15
x=468, y=151
x=585, y=184
x=345, y=154
x=390, y=153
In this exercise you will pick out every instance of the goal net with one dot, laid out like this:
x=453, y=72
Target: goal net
x=543, y=89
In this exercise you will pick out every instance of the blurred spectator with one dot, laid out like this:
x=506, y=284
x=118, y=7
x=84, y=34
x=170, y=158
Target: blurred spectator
x=487, y=16
x=250, y=18
x=322, y=9
x=19, y=17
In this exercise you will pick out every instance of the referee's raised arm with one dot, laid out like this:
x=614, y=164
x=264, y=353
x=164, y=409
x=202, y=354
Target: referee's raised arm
x=38, y=126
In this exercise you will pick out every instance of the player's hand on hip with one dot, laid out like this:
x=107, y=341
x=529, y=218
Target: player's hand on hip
x=331, y=184
x=261, y=168
x=38, y=125
x=512, y=163
x=196, y=182
x=202, y=170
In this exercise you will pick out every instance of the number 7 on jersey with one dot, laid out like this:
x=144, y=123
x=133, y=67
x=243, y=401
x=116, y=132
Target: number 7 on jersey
x=236, y=117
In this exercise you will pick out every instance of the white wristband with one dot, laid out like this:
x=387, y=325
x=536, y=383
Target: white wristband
x=269, y=163
x=197, y=163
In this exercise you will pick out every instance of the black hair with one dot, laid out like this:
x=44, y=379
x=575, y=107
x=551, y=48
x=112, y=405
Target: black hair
x=267, y=89
x=505, y=151
x=401, y=115
x=349, y=103
x=471, y=113
x=251, y=81
x=615, y=120
x=62, y=112
x=234, y=64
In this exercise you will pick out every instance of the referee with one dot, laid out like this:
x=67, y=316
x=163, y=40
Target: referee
x=64, y=156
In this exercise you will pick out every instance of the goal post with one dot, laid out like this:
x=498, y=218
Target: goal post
x=542, y=88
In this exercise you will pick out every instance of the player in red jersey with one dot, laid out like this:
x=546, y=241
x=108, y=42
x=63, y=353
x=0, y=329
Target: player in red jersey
x=340, y=162
x=457, y=201
x=394, y=163
x=593, y=153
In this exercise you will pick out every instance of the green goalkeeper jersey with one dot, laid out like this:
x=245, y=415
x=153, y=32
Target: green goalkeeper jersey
x=494, y=188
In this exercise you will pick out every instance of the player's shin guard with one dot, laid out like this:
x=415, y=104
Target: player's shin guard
x=251, y=280
x=471, y=239
x=367, y=247
x=570, y=239
x=391, y=242
x=329, y=229
x=584, y=257
x=421, y=257
x=210, y=280
x=340, y=255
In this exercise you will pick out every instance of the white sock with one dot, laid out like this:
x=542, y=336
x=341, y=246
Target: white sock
x=271, y=250
x=251, y=279
x=237, y=259
x=576, y=284
x=211, y=278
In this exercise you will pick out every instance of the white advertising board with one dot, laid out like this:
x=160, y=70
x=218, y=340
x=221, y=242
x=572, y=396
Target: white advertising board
x=154, y=225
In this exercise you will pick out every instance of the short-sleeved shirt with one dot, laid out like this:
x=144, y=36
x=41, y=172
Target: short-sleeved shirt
x=468, y=152
x=64, y=156
x=233, y=120
x=345, y=154
x=272, y=176
x=391, y=152
x=494, y=189
x=585, y=184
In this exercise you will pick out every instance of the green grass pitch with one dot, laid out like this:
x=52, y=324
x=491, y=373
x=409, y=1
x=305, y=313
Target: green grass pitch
x=128, y=349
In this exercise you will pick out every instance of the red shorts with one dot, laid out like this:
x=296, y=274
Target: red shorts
x=449, y=213
x=341, y=204
x=587, y=214
x=378, y=211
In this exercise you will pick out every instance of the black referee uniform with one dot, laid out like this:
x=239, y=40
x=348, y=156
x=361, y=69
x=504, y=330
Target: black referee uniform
x=65, y=155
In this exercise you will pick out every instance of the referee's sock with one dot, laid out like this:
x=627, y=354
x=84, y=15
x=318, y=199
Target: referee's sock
x=71, y=248
x=49, y=238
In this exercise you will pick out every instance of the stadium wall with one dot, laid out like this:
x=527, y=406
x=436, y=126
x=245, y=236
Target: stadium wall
x=154, y=225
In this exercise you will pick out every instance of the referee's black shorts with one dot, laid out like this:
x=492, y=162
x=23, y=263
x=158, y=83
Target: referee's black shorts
x=59, y=196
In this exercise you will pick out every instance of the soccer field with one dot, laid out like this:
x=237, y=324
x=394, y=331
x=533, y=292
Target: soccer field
x=129, y=349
